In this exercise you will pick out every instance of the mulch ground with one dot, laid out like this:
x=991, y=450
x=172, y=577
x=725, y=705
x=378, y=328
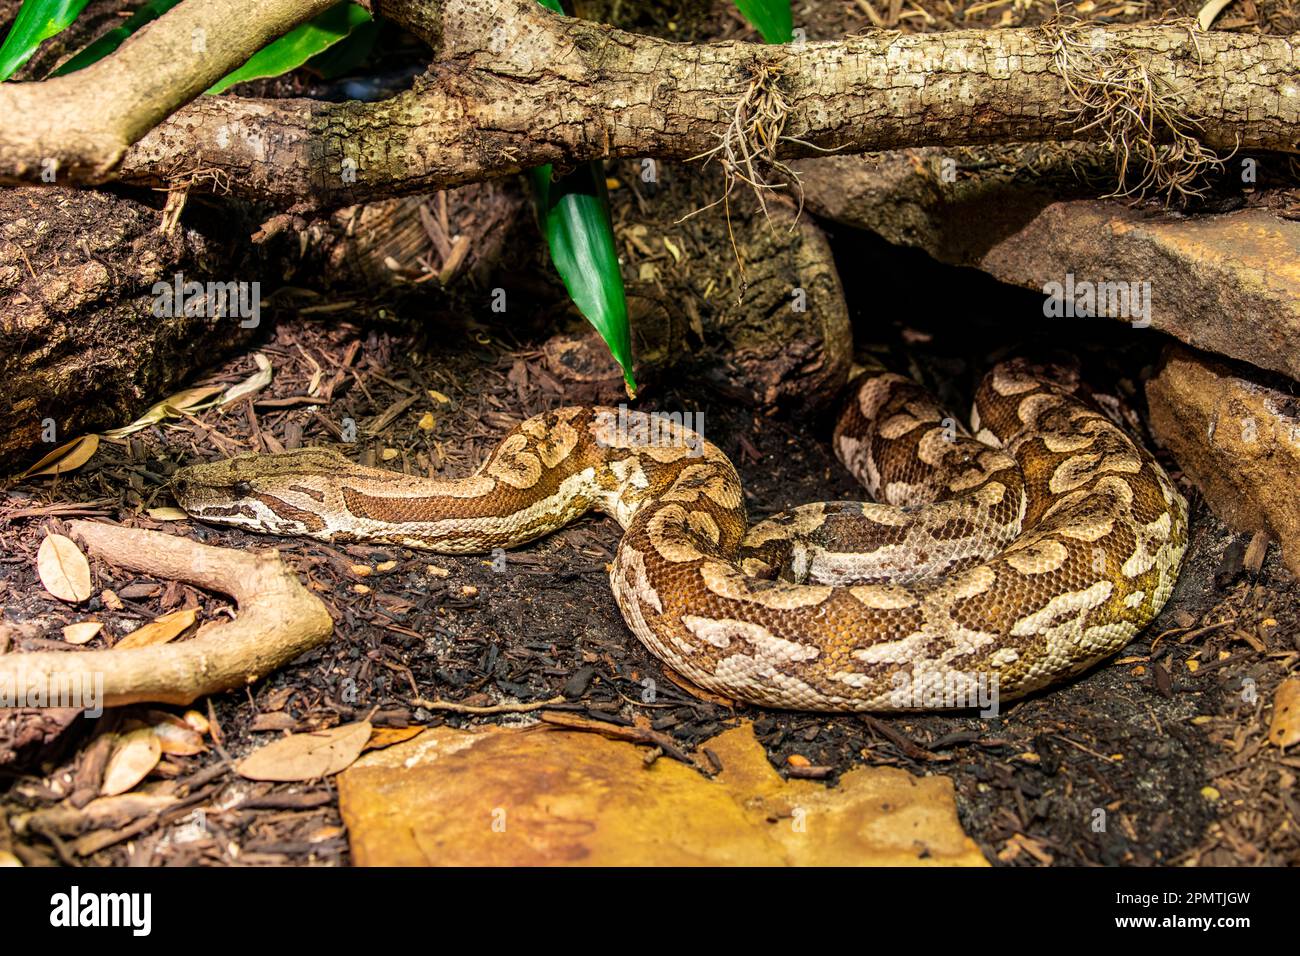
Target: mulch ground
x=1156, y=757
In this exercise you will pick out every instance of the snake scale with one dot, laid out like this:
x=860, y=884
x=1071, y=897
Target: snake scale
x=1019, y=553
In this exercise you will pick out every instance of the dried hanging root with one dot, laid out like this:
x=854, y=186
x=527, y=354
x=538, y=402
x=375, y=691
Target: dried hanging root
x=747, y=147
x=1141, y=117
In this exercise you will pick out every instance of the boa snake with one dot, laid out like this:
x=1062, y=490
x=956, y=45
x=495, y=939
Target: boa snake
x=1019, y=555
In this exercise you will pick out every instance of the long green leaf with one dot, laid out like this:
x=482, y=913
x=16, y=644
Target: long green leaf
x=111, y=40
x=773, y=19
x=574, y=213
x=37, y=21
x=298, y=46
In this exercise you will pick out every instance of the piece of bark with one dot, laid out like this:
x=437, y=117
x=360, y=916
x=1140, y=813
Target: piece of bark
x=80, y=347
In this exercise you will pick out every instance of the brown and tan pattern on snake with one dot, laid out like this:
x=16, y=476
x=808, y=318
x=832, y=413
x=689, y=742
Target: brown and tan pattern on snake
x=1016, y=557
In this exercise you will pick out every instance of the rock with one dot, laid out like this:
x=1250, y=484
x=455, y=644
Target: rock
x=1224, y=283
x=530, y=796
x=1237, y=436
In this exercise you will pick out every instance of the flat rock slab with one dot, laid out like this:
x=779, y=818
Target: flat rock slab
x=539, y=796
x=1237, y=437
x=1227, y=283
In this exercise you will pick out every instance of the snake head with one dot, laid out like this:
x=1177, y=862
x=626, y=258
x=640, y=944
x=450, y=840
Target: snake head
x=251, y=490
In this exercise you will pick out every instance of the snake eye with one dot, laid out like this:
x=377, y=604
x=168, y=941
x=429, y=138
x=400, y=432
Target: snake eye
x=243, y=489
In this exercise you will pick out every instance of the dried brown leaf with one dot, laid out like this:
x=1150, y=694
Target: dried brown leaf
x=133, y=757
x=307, y=756
x=67, y=457
x=63, y=569
x=82, y=632
x=160, y=630
x=1284, y=730
x=174, y=734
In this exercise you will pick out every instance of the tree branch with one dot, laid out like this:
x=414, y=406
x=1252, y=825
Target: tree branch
x=84, y=121
x=514, y=86
x=278, y=620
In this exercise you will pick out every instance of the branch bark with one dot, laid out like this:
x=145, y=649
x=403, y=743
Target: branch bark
x=278, y=620
x=83, y=122
x=514, y=86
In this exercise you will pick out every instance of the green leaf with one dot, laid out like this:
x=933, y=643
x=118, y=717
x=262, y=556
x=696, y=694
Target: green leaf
x=111, y=40
x=298, y=46
x=348, y=56
x=574, y=215
x=772, y=18
x=37, y=21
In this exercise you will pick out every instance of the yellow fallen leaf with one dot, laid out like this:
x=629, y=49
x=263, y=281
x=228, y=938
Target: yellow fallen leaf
x=63, y=569
x=307, y=756
x=382, y=737
x=385, y=566
x=174, y=735
x=1284, y=729
x=8, y=859
x=251, y=385
x=426, y=422
x=197, y=722
x=543, y=797
x=160, y=630
x=189, y=400
x=67, y=457
x=82, y=632
x=438, y=397
x=134, y=756
x=167, y=514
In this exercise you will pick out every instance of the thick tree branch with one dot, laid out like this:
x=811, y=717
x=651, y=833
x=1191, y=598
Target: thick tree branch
x=278, y=620
x=84, y=121
x=514, y=86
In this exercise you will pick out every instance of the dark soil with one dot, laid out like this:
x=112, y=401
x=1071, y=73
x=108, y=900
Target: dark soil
x=1155, y=757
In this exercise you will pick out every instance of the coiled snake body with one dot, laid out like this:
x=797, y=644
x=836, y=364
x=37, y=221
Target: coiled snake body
x=1015, y=557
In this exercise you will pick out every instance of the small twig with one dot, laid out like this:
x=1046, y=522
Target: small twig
x=456, y=708
x=634, y=734
x=900, y=740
